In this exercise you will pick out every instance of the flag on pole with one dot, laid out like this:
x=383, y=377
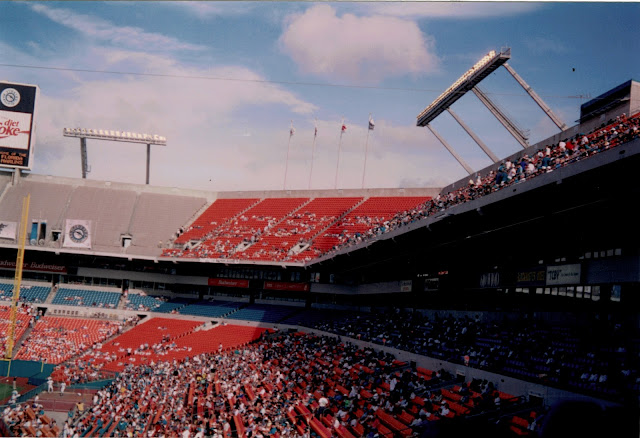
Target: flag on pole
x=315, y=132
x=371, y=123
x=344, y=127
x=292, y=130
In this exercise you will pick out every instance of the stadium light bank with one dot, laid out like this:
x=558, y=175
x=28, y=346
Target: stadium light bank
x=483, y=68
x=100, y=134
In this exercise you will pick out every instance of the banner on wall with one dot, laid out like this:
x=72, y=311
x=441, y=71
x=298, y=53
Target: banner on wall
x=8, y=230
x=34, y=266
x=531, y=277
x=489, y=280
x=283, y=285
x=563, y=274
x=227, y=282
x=77, y=234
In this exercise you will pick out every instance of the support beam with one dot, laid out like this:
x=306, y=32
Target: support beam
x=502, y=117
x=148, y=161
x=475, y=138
x=555, y=119
x=83, y=157
x=451, y=150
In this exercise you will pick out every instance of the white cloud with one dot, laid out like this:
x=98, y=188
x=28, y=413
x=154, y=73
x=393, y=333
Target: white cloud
x=456, y=10
x=208, y=9
x=200, y=118
x=354, y=47
x=102, y=30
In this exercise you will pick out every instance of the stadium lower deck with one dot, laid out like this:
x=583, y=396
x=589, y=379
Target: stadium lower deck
x=294, y=372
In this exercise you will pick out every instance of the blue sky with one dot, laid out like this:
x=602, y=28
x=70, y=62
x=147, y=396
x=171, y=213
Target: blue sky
x=223, y=81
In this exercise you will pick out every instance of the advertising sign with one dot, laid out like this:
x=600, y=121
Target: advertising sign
x=563, y=274
x=226, y=282
x=17, y=124
x=283, y=285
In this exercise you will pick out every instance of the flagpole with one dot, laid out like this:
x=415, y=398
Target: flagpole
x=313, y=148
x=339, y=148
x=286, y=166
x=366, y=147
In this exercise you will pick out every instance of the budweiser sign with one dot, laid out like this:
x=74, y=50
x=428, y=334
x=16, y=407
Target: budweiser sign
x=223, y=282
x=33, y=266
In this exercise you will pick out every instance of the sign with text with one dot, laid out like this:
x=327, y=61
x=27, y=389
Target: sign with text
x=489, y=280
x=17, y=124
x=532, y=277
x=283, y=285
x=33, y=266
x=228, y=282
x=563, y=274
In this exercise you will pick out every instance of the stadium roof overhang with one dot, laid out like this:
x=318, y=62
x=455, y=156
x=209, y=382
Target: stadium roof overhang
x=483, y=68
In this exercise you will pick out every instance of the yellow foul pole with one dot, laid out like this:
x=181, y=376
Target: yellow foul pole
x=18, y=278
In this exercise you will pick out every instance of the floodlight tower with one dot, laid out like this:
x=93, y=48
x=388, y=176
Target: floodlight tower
x=468, y=82
x=99, y=134
x=483, y=68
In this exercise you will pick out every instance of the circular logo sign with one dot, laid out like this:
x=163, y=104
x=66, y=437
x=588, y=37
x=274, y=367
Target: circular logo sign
x=78, y=233
x=10, y=97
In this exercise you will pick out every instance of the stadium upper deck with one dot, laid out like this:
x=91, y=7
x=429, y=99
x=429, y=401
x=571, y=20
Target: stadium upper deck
x=280, y=227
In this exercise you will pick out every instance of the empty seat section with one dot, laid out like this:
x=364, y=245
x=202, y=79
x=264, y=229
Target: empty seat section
x=109, y=211
x=47, y=203
x=172, y=306
x=146, y=228
x=86, y=297
x=213, y=309
x=311, y=317
x=264, y=313
x=28, y=293
x=143, y=302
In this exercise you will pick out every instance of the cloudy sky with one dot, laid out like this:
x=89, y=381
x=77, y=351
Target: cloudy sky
x=225, y=81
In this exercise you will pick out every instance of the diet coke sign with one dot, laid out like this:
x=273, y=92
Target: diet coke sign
x=17, y=124
x=15, y=130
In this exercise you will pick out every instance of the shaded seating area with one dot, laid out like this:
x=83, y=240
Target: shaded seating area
x=135, y=301
x=263, y=313
x=86, y=297
x=211, y=308
x=28, y=293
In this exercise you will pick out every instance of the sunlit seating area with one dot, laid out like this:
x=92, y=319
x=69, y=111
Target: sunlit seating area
x=56, y=339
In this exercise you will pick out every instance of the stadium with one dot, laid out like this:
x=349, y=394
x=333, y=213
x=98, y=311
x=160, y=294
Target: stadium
x=502, y=304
